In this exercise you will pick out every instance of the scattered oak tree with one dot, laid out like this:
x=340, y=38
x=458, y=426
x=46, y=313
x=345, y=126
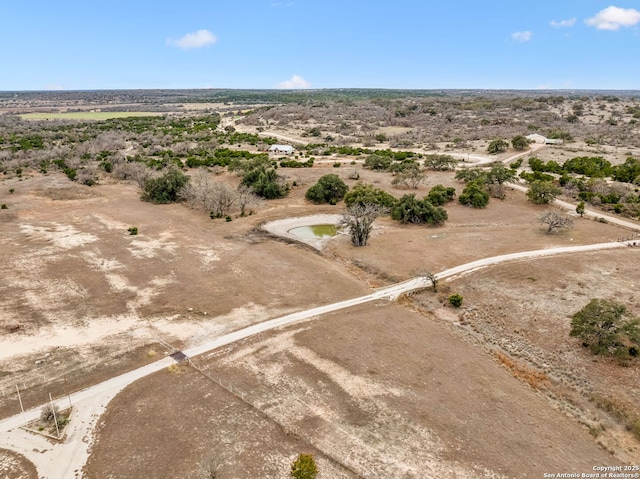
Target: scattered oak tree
x=410, y=177
x=497, y=176
x=580, y=209
x=440, y=162
x=519, y=142
x=555, y=221
x=329, y=189
x=497, y=146
x=474, y=195
x=409, y=209
x=543, y=192
x=603, y=328
x=359, y=220
x=363, y=194
x=439, y=195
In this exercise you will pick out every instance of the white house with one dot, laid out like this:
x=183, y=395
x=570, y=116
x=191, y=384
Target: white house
x=282, y=149
x=537, y=138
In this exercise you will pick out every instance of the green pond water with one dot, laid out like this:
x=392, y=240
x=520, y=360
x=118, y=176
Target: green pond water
x=314, y=231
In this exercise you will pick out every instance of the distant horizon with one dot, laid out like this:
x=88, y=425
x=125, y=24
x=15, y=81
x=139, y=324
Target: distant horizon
x=311, y=44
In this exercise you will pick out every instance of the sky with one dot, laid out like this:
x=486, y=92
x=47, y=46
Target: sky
x=412, y=44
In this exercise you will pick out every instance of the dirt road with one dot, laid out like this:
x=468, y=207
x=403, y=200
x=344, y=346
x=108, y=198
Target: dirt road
x=60, y=460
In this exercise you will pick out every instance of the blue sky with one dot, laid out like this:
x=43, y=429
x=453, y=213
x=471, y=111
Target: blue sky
x=85, y=45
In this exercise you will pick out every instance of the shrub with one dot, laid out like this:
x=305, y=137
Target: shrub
x=165, y=188
x=363, y=194
x=440, y=195
x=543, y=192
x=3, y=206
x=411, y=210
x=133, y=230
x=12, y=190
x=455, y=300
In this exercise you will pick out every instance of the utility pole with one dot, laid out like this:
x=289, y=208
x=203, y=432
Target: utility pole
x=20, y=399
x=53, y=411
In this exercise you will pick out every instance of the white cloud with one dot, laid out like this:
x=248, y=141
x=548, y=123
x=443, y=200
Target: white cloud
x=198, y=39
x=53, y=87
x=612, y=18
x=294, y=82
x=522, y=36
x=564, y=23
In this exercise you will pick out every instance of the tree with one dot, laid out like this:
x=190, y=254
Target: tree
x=377, y=162
x=304, y=467
x=363, y=194
x=329, y=189
x=542, y=192
x=580, y=209
x=359, y=220
x=467, y=175
x=440, y=195
x=410, y=177
x=246, y=197
x=555, y=221
x=440, y=162
x=165, y=188
x=265, y=182
x=519, y=142
x=497, y=146
x=474, y=195
x=603, y=328
x=411, y=210
x=497, y=176
x=431, y=278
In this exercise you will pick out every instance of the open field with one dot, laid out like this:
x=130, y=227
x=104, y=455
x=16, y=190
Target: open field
x=86, y=115
x=409, y=388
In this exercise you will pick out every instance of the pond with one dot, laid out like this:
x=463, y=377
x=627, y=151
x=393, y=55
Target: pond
x=314, y=231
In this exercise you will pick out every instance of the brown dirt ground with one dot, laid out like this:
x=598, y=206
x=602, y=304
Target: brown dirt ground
x=379, y=389
x=16, y=466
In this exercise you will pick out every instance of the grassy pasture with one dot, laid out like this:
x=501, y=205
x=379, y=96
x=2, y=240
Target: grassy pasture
x=86, y=115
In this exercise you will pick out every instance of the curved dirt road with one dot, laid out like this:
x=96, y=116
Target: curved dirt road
x=61, y=460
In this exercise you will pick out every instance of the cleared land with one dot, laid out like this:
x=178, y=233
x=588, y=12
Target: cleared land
x=86, y=115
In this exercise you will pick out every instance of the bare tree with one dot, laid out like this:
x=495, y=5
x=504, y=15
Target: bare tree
x=555, y=220
x=246, y=197
x=359, y=219
x=132, y=171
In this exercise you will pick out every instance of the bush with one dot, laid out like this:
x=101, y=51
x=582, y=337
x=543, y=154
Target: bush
x=133, y=230
x=329, y=189
x=4, y=206
x=455, y=300
x=440, y=195
x=497, y=146
x=411, y=210
x=164, y=189
x=265, y=182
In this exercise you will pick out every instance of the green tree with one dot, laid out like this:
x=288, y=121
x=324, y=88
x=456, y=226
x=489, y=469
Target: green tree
x=329, y=189
x=519, y=142
x=304, y=467
x=580, y=209
x=468, y=175
x=497, y=176
x=603, y=328
x=440, y=162
x=363, y=194
x=377, y=162
x=265, y=182
x=409, y=209
x=497, y=146
x=474, y=195
x=439, y=195
x=409, y=177
x=543, y=192
x=164, y=189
